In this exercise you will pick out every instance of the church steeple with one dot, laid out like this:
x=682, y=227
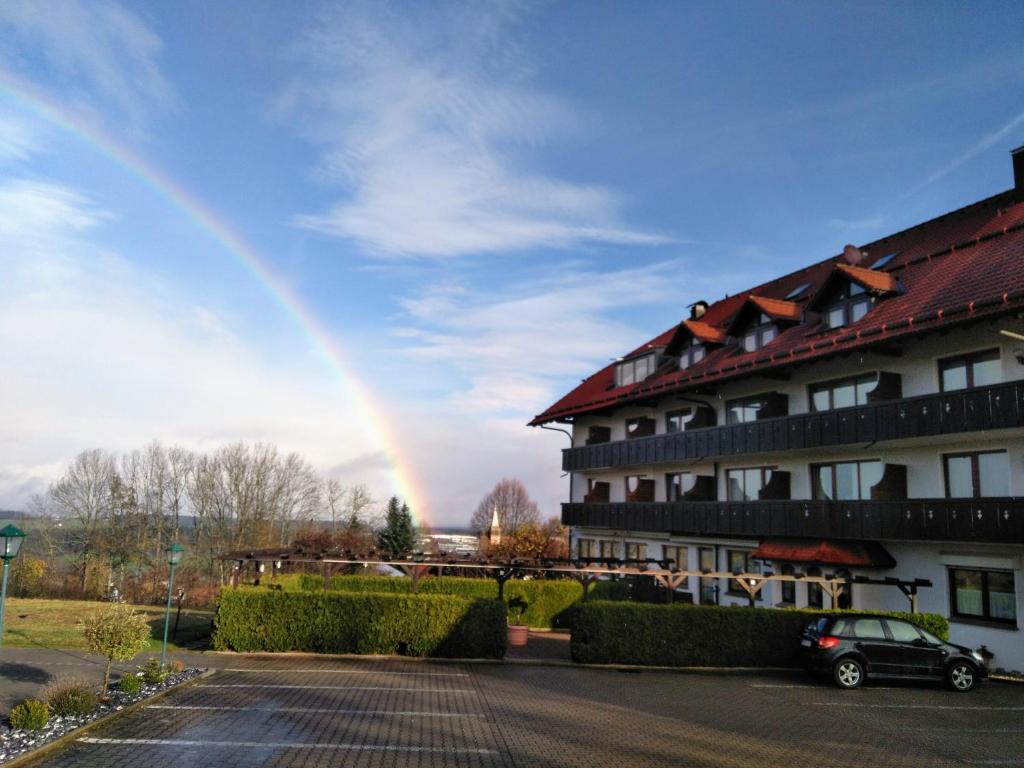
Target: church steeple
x=495, y=535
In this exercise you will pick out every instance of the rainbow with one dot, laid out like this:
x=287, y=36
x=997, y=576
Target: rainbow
x=371, y=415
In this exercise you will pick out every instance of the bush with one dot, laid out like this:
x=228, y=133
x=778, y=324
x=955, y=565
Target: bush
x=129, y=684
x=250, y=620
x=152, y=672
x=70, y=696
x=30, y=715
x=700, y=636
x=548, y=600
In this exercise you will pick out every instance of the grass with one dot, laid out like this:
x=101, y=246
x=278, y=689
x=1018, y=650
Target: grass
x=58, y=624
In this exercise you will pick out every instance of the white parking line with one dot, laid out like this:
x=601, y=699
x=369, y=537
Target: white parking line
x=287, y=745
x=390, y=712
x=336, y=687
x=913, y=706
x=350, y=672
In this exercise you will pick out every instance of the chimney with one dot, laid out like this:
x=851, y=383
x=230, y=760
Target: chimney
x=1018, y=168
x=697, y=309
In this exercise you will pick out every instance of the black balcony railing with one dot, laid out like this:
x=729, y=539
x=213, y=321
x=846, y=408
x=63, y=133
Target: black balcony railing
x=999, y=406
x=991, y=520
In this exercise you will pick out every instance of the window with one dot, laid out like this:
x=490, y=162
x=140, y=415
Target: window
x=708, y=585
x=692, y=355
x=680, y=556
x=982, y=595
x=884, y=260
x=598, y=492
x=851, y=305
x=977, y=475
x=974, y=370
x=743, y=411
x=788, y=587
x=596, y=435
x=902, y=632
x=639, y=488
x=740, y=560
x=759, y=335
x=636, y=551
x=585, y=548
x=843, y=393
x=675, y=421
x=678, y=484
x=815, y=594
x=800, y=290
x=746, y=484
x=869, y=629
x=635, y=370
x=847, y=480
x=608, y=550
x=641, y=426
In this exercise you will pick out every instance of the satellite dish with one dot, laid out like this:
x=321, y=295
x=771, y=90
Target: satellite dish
x=852, y=254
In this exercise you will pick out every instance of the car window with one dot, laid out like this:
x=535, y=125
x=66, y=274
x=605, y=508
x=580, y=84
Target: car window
x=929, y=637
x=841, y=628
x=903, y=632
x=869, y=629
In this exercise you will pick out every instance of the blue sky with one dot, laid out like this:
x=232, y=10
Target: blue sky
x=480, y=203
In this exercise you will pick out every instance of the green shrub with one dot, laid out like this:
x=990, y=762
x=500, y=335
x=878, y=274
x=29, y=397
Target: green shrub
x=70, y=696
x=152, y=672
x=129, y=684
x=250, y=620
x=30, y=715
x=548, y=600
x=700, y=636
x=609, y=590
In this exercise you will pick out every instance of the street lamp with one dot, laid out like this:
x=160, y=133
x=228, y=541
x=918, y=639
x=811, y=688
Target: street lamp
x=174, y=553
x=10, y=544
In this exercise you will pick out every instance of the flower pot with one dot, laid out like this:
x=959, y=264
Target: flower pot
x=518, y=634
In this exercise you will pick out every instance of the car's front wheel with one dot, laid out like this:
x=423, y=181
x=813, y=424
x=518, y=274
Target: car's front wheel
x=848, y=673
x=962, y=676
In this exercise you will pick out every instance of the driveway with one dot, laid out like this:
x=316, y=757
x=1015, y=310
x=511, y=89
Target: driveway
x=305, y=711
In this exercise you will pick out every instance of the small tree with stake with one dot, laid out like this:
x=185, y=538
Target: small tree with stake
x=398, y=536
x=117, y=633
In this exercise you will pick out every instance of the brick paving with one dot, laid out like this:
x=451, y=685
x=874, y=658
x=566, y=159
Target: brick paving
x=308, y=711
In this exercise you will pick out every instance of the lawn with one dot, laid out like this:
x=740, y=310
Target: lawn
x=58, y=624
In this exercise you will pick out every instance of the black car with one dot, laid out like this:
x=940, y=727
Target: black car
x=852, y=648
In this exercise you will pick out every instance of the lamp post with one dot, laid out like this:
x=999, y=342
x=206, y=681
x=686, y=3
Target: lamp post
x=174, y=553
x=10, y=543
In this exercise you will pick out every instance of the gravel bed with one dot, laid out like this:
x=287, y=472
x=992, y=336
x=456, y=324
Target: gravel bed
x=14, y=743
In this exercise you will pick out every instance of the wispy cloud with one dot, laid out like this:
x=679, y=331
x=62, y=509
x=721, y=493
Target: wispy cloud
x=428, y=126
x=94, y=51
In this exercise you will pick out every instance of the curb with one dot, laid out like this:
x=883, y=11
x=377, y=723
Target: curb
x=65, y=740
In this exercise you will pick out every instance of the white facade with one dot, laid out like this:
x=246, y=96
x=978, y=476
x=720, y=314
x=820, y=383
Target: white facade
x=919, y=370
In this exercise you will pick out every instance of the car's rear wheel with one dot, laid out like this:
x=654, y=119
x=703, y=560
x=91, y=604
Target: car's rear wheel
x=962, y=676
x=848, y=673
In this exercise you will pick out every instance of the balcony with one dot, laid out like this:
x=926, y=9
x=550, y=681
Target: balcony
x=980, y=520
x=999, y=406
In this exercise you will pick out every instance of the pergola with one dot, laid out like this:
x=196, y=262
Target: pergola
x=585, y=570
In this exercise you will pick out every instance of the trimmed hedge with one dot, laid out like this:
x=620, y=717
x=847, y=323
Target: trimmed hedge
x=701, y=636
x=250, y=619
x=547, y=600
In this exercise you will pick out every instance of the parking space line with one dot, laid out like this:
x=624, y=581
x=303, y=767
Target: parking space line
x=349, y=672
x=287, y=745
x=913, y=706
x=335, y=687
x=386, y=712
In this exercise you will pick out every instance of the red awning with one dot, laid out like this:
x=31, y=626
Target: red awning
x=864, y=554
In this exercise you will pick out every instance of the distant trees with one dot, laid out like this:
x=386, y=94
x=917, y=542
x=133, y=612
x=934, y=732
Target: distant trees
x=515, y=507
x=397, y=537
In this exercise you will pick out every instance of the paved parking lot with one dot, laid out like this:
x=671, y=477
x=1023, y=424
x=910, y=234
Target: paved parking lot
x=291, y=711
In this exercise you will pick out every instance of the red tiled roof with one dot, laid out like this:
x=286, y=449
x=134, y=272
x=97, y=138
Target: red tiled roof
x=776, y=308
x=955, y=269
x=866, y=554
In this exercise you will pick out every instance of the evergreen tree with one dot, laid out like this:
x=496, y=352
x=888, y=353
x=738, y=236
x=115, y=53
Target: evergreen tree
x=398, y=536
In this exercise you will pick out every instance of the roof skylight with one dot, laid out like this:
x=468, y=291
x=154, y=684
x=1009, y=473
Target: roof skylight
x=800, y=290
x=885, y=260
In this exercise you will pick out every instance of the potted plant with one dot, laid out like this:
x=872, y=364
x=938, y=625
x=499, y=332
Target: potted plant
x=518, y=633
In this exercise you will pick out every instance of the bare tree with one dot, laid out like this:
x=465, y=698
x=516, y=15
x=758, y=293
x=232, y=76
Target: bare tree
x=514, y=505
x=82, y=497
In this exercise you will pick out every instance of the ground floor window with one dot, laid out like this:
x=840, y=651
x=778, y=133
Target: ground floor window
x=986, y=595
x=636, y=551
x=708, y=586
x=585, y=548
x=608, y=550
x=740, y=560
x=788, y=588
x=815, y=594
x=680, y=556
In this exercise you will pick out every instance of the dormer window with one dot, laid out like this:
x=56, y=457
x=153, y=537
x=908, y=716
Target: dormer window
x=759, y=335
x=635, y=370
x=692, y=355
x=851, y=304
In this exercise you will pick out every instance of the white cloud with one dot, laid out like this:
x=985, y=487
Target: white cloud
x=426, y=126
x=18, y=139
x=99, y=353
x=95, y=50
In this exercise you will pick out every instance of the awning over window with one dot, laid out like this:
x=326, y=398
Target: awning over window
x=863, y=554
